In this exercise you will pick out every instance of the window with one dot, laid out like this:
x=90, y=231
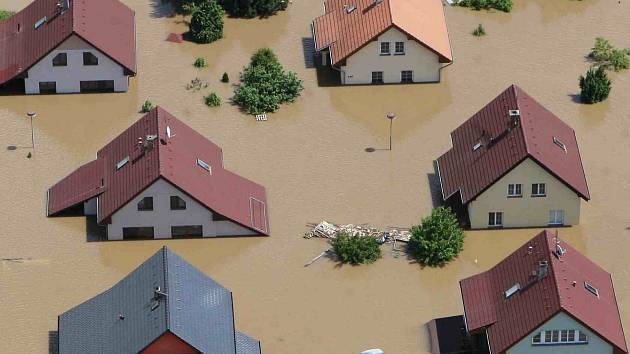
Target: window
x=399, y=48
x=97, y=86
x=556, y=217
x=122, y=163
x=48, y=87
x=559, y=337
x=377, y=77
x=593, y=290
x=495, y=219
x=146, y=204
x=560, y=144
x=406, y=76
x=89, y=59
x=19, y=27
x=137, y=233
x=515, y=190
x=385, y=50
x=477, y=146
x=204, y=165
x=538, y=190
x=60, y=59
x=177, y=203
x=40, y=22
x=513, y=290
x=187, y=231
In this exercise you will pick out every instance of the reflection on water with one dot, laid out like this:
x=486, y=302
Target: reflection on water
x=310, y=156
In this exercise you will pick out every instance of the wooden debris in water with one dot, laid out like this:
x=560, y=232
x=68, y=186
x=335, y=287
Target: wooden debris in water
x=329, y=230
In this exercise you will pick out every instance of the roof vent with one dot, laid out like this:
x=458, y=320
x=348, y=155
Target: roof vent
x=159, y=294
x=543, y=269
x=560, y=144
x=559, y=250
x=350, y=8
x=514, y=113
x=63, y=5
x=40, y=22
x=513, y=290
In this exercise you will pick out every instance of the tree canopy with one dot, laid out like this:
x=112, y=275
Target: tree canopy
x=438, y=239
x=595, y=86
x=206, y=24
x=356, y=249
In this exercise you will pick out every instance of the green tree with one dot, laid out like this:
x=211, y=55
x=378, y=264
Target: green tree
x=200, y=63
x=206, y=24
x=212, y=100
x=253, y=8
x=438, y=239
x=265, y=85
x=356, y=249
x=609, y=57
x=501, y=5
x=595, y=86
x=146, y=106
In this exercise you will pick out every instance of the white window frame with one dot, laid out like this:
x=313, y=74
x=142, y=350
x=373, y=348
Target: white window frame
x=538, y=189
x=591, y=288
x=556, y=217
x=515, y=190
x=396, y=51
x=496, y=215
x=382, y=46
x=559, y=337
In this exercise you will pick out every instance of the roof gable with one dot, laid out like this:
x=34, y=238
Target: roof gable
x=540, y=297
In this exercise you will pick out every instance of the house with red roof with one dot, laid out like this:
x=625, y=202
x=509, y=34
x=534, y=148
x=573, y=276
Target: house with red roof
x=162, y=179
x=514, y=164
x=383, y=41
x=545, y=297
x=68, y=46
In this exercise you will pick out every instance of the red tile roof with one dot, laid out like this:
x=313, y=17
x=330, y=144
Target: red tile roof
x=507, y=321
x=506, y=145
x=108, y=25
x=175, y=160
x=345, y=33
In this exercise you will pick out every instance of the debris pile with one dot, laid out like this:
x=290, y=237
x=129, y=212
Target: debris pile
x=328, y=230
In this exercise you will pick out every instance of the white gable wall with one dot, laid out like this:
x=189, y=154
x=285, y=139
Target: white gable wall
x=162, y=217
x=596, y=345
x=423, y=62
x=68, y=77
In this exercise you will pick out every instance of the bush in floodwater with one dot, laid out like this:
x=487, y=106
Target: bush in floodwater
x=212, y=100
x=4, y=14
x=253, y=8
x=595, y=86
x=501, y=5
x=438, y=239
x=606, y=55
x=225, y=78
x=146, y=106
x=200, y=63
x=206, y=23
x=356, y=249
x=479, y=31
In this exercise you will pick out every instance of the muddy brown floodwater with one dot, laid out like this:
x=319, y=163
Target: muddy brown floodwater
x=310, y=156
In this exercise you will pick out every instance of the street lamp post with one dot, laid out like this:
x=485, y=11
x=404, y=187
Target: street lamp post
x=391, y=116
x=32, y=115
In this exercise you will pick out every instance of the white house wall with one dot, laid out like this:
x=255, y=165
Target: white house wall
x=595, y=345
x=68, y=77
x=423, y=62
x=162, y=217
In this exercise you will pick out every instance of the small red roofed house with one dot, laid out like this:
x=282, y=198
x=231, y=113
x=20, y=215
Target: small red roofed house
x=162, y=179
x=545, y=297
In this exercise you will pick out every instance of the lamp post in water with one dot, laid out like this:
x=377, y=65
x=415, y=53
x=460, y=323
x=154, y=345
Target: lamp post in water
x=391, y=116
x=32, y=115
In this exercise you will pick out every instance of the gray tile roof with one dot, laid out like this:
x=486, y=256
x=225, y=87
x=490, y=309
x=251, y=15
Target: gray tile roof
x=129, y=316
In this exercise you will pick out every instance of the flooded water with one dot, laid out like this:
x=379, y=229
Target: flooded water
x=310, y=156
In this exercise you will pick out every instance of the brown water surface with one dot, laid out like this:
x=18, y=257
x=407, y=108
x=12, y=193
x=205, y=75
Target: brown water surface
x=310, y=156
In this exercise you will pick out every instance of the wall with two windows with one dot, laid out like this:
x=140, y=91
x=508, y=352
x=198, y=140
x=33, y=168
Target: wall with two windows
x=559, y=202
x=162, y=218
x=561, y=322
x=67, y=78
x=422, y=62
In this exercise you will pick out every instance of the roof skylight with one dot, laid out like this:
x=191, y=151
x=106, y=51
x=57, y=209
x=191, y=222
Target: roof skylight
x=40, y=22
x=204, y=165
x=591, y=288
x=513, y=290
x=122, y=163
x=560, y=144
x=477, y=146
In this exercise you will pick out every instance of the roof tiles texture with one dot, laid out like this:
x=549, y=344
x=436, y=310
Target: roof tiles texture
x=345, y=32
x=108, y=25
x=509, y=320
x=505, y=143
x=173, y=158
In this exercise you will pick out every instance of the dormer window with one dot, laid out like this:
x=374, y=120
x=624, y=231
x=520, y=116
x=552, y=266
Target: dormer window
x=122, y=163
x=560, y=144
x=593, y=290
x=204, y=165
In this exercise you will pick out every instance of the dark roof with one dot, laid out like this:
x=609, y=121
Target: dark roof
x=505, y=145
x=509, y=320
x=345, y=33
x=108, y=25
x=172, y=158
x=196, y=309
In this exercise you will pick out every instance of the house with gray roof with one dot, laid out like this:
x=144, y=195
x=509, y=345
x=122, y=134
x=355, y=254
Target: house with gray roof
x=164, y=306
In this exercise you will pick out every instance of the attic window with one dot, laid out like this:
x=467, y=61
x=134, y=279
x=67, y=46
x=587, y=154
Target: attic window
x=40, y=22
x=477, y=146
x=122, y=163
x=204, y=165
x=591, y=288
x=560, y=144
x=513, y=290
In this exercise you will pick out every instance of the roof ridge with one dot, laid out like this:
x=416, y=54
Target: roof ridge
x=164, y=251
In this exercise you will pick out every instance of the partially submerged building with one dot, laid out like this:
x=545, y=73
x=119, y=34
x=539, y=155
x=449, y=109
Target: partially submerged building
x=68, y=46
x=164, y=306
x=162, y=179
x=514, y=164
x=545, y=297
x=383, y=41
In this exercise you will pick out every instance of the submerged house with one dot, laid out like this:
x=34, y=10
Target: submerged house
x=514, y=164
x=545, y=298
x=162, y=179
x=68, y=46
x=383, y=41
x=165, y=306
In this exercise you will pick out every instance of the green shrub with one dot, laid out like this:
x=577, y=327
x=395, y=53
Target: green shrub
x=356, y=249
x=212, y=100
x=501, y=5
x=206, y=24
x=479, y=31
x=438, y=239
x=225, y=78
x=606, y=55
x=4, y=14
x=253, y=8
x=265, y=85
x=146, y=106
x=200, y=63
x=595, y=86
